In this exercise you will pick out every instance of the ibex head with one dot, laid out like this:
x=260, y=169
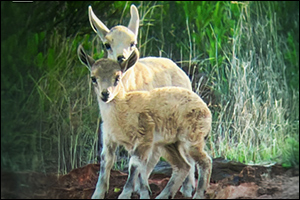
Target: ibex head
x=119, y=41
x=106, y=73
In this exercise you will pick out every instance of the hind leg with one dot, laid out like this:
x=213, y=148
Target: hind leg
x=188, y=186
x=204, y=166
x=174, y=153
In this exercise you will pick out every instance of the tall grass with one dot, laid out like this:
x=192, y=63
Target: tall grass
x=56, y=126
x=253, y=122
x=239, y=49
x=70, y=106
x=239, y=59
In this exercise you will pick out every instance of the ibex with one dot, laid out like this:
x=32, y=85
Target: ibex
x=172, y=119
x=146, y=74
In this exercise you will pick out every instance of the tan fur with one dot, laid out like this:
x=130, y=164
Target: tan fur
x=148, y=73
x=177, y=113
x=172, y=119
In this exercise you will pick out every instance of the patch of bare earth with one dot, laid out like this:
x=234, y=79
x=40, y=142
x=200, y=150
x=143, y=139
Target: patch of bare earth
x=229, y=180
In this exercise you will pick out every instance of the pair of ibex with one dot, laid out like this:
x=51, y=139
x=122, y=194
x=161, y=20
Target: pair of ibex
x=148, y=106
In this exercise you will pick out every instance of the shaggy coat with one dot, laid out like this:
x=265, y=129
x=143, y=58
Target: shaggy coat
x=172, y=119
x=148, y=73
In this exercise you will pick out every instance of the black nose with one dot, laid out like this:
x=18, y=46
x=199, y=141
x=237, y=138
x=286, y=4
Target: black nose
x=120, y=59
x=104, y=95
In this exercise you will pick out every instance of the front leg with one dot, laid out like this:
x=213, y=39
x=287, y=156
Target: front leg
x=139, y=157
x=107, y=160
x=137, y=174
x=152, y=161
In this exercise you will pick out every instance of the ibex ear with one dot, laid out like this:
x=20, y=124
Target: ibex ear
x=85, y=59
x=134, y=20
x=97, y=25
x=131, y=60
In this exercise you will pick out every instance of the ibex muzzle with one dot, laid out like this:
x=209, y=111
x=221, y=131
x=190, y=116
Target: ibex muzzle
x=104, y=95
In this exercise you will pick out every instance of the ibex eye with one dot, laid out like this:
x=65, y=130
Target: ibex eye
x=107, y=46
x=94, y=80
x=117, y=80
x=132, y=44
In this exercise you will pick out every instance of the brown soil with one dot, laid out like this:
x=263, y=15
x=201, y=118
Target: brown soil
x=230, y=180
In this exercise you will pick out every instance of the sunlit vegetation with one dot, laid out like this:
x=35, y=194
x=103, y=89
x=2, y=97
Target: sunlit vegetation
x=241, y=56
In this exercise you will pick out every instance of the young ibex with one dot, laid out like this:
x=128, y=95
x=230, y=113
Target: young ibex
x=172, y=119
x=148, y=73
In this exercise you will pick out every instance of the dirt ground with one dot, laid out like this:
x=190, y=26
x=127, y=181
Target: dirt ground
x=229, y=180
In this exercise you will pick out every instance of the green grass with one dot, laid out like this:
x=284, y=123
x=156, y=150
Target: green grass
x=246, y=60
x=253, y=126
x=56, y=126
x=241, y=56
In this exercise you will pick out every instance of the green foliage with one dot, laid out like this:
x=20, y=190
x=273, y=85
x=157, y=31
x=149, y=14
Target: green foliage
x=290, y=153
x=292, y=57
x=253, y=121
x=246, y=51
x=41, y=109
